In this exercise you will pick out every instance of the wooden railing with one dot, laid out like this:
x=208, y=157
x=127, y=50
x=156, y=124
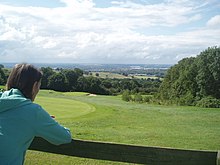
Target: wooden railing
x=128, y=153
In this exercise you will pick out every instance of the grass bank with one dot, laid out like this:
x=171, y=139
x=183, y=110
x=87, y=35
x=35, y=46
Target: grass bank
x=108, y=118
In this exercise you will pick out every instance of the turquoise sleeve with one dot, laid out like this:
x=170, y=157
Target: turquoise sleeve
x=46, y=127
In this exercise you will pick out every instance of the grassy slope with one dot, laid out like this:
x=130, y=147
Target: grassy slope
x=107, y=118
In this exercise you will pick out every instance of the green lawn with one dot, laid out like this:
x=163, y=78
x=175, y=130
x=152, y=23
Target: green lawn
x=2, y=87
x=108, y=118
x=65, y=109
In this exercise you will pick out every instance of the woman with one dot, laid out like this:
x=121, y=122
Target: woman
x=21, y=120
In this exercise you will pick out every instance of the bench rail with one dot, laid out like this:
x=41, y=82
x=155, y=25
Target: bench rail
x=128, y=153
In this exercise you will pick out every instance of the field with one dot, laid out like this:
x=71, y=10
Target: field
x=120, y=76
x=109, y=75
x=108, y=118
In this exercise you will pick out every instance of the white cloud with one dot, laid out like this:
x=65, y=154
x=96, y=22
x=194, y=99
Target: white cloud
x=214, y=21
x=79, y=3
x=81, y=32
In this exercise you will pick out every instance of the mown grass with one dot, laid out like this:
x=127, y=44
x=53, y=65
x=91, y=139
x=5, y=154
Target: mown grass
x=2, y=87
x=108, y=118
x=64, y=109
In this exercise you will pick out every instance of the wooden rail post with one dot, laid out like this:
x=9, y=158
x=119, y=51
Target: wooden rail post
x=218, y=158
x=128, y=153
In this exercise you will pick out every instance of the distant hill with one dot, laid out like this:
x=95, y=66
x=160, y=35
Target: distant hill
x=98, y=67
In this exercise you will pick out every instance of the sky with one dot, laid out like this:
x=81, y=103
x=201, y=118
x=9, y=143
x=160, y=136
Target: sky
x=107, y=31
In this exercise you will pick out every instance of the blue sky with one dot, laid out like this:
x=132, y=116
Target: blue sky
x=107, y=31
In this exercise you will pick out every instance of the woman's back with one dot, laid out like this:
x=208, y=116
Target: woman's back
x=20, y=121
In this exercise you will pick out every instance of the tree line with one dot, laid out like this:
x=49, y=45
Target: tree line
x=66, y=80
x=193, y=81
x=75, y=80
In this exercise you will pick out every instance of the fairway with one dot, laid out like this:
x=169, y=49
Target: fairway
x=109, y=119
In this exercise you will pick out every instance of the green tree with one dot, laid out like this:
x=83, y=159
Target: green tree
x=2, y=77
x=208, y=76
x=47, y=72
x=106, y=83
x=82, y=84
x=1, y=66
x=58, y=82
x=192, y=79
x=95, y=86
x=78, y=72
x=71, y=77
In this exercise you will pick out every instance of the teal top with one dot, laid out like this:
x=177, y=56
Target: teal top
x=20, y=121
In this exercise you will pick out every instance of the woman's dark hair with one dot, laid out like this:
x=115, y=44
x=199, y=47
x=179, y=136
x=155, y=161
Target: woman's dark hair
x=22, y=77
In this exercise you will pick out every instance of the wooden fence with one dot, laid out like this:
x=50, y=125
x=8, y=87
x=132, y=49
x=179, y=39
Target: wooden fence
x=128, y=153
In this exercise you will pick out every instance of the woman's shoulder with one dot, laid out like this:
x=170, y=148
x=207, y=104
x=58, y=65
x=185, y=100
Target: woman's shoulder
x=35, y=106
x=31, y=108
x=31, y=112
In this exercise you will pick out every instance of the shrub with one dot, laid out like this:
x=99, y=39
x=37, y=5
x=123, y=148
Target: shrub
x=209, y=102
x=126, y=96
x=147, y=99
x=138, y=98
x=187, y=99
